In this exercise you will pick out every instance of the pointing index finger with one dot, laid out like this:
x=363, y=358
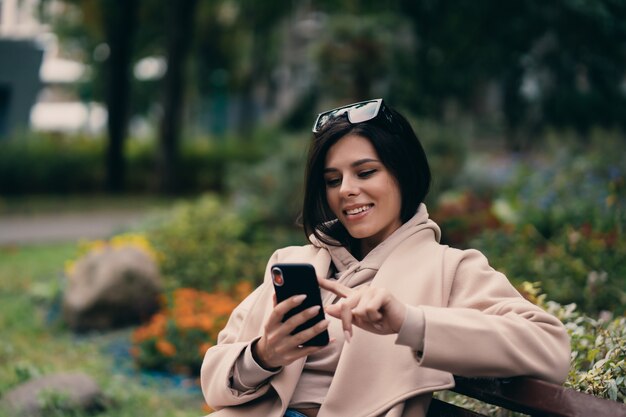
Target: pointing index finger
x=334, y=287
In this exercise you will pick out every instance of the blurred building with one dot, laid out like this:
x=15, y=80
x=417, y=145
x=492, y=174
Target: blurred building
x=34, y=77
x=20, y=60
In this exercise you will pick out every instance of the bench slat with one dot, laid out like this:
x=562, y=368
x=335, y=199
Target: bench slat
x=443, y=409
x=537, y=398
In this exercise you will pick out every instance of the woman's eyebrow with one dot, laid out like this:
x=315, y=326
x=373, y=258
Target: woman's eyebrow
x=354, y=164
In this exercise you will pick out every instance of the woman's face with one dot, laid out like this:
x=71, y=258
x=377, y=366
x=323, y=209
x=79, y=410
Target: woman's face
x=361, y=192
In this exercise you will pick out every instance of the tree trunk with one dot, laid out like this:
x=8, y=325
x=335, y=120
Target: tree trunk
x=120, y=21
x=179, y=26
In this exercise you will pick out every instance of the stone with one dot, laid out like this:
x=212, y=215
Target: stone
x=67, y=391
x=111, y=288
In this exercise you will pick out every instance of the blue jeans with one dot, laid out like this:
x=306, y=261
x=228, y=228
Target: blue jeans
x=293, y=413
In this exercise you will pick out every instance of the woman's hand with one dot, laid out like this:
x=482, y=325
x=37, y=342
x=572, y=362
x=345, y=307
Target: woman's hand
x=277, y=347
x=373, y=309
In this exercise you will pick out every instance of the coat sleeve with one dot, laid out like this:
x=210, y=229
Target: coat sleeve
x=489, y=330
x=219, y=361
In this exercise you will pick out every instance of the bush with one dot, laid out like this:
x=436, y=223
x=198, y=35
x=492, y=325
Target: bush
x=53, y=164
x=564, y=220
x=463, y=216
x=207, y=245
x=446, y=146
x=598, y=364
x=571, y=184
x=576, y=265
x=271, y=190
x=177, y=337
x=598, y=358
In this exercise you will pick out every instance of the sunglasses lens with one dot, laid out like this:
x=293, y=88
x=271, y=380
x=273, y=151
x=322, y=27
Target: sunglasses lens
x=363, y=112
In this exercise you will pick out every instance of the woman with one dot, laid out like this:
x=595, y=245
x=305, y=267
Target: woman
x=404, y=312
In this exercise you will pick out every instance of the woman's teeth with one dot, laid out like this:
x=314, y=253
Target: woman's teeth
x=358, y=210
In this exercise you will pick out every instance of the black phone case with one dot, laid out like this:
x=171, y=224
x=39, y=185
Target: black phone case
x=301, y=279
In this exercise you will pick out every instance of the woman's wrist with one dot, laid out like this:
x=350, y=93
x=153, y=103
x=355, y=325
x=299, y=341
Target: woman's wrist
x=258, y=357
x=399, y=316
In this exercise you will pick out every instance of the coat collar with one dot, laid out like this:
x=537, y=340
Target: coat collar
x=352, y=272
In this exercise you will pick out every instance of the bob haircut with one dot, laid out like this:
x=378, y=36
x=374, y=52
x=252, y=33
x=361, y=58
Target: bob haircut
x=399, y=150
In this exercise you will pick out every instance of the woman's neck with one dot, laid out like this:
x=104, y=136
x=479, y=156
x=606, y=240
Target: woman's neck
x=364, y=249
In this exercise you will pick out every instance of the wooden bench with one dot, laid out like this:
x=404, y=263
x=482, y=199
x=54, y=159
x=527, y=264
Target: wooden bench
x=529, y=396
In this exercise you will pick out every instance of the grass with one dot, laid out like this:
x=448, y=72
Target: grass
x=32, y=344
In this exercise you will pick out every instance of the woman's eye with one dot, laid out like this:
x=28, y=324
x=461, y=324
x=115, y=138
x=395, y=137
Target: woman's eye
x=367, y=173
x=332, y=182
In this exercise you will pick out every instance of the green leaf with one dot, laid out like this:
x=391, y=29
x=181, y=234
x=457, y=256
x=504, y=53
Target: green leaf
x=612, y=390
x=591, y=355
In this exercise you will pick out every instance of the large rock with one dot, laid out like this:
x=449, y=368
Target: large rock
x=111, y=288
x=70, y=392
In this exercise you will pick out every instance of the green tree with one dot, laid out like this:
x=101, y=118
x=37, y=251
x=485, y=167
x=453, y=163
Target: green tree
x=573, y=52
x=238, y=46
x=179, y=38
x=119, y=22
x=102, y=34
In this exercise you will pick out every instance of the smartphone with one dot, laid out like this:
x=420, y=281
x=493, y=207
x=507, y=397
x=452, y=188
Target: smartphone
x=296, y=279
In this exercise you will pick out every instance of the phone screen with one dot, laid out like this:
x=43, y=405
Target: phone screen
x=296, y=279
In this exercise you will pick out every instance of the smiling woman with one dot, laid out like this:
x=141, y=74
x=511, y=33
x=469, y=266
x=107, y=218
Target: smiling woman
x=382, y=272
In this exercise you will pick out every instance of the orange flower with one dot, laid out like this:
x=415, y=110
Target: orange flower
x=184, y=310
x=204, y=347
x=205, y=323
x=159, y=320
x=184, y=295
x=165, y=347
x=243, y=289
x=186, y=321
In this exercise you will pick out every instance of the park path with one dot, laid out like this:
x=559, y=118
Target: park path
x=18, y=229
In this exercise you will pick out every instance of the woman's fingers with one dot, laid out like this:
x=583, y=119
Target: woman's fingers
x=335, y=287
x=305, y=335
x=370, y=306
x=373, y=309
x=277, y=347
x=281, y=328
x=343, y=309
x=283, y=307
x=293, y=322
x=346, y=319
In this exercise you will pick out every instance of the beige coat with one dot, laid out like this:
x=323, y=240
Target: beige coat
x=476, y=324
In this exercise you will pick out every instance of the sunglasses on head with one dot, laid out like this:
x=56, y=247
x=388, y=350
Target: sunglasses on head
x=360, y=112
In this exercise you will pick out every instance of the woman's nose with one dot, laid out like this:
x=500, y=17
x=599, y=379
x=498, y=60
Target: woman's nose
x=349, y=187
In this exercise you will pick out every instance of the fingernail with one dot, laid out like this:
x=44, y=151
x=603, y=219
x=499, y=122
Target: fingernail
x=314, y=309
x=299, y=298
x=347, y=336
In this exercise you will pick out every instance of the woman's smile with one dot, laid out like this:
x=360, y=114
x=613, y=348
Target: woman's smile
x=361, y=191
x=353, y=212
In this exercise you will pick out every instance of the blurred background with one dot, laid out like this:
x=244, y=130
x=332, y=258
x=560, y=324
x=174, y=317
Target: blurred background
x=180, y=128
x=142, y=81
